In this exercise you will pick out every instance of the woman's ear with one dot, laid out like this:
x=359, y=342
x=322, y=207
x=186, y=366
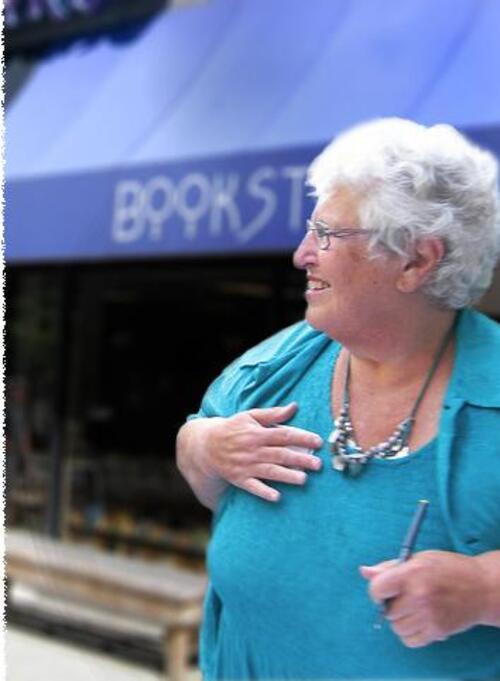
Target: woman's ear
x=427, y=254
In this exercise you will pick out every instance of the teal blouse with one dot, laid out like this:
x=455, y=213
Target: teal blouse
x=285, y=599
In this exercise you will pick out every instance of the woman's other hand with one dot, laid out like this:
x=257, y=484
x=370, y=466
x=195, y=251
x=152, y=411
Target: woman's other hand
x=436, y=594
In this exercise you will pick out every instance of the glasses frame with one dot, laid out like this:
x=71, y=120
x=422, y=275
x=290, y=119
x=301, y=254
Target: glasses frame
x=323, y=233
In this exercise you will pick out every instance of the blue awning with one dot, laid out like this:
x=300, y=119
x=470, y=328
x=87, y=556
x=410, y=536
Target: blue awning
x=194, y=136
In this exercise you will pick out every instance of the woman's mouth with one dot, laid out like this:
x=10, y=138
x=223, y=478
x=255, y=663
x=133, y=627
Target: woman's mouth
x=315, y=289
x=316, y=285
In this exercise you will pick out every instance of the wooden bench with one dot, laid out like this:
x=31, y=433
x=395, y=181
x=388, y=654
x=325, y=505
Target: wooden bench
x=161, y=594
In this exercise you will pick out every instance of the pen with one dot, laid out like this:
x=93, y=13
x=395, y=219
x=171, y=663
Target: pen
x=406, y=549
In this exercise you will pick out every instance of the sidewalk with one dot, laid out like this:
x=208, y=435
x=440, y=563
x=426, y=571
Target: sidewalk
x=32, y=656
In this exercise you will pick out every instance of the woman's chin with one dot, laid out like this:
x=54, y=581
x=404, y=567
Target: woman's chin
x=315, y=318
x=326, y=323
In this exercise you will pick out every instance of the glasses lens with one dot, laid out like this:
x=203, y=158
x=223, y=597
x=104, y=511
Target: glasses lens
x=321, y=235
x=323, y=240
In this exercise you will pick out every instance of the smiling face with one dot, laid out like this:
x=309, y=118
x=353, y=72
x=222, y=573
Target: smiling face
x=347, y=293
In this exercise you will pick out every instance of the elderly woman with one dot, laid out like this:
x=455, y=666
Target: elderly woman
x=390, y=389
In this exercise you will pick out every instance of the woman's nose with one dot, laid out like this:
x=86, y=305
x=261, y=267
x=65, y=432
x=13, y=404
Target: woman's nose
x=306, y=252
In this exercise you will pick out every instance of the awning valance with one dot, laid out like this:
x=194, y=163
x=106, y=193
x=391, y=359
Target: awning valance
x=194, y=136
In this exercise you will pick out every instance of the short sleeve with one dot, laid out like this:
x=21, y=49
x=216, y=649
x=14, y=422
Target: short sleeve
x=222, y=395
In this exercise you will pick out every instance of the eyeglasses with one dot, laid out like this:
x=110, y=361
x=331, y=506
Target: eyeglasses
x=323, y=233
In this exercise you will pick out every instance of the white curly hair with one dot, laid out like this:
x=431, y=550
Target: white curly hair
x=415, y=182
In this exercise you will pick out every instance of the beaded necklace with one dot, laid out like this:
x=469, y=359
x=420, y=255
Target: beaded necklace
x=347, y=456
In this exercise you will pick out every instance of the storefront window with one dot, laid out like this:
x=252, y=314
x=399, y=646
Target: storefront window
x=32, y=311
x=141, y=345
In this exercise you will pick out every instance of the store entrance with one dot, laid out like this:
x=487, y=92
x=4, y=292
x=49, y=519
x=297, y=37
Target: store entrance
x=150, y=340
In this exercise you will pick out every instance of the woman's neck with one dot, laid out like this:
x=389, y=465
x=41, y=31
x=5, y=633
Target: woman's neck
x=402, y=352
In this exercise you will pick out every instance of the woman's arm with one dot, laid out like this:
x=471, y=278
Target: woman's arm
x=193, y=461
x=490, y=564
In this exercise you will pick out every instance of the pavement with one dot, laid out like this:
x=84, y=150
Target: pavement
x=32, y=655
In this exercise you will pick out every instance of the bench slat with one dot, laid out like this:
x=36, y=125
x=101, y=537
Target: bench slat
x=50, y=556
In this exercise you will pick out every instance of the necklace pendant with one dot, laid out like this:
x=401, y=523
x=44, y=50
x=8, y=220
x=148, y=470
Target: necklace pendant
x=338, y=463
x=354, y=468
x=404, y=451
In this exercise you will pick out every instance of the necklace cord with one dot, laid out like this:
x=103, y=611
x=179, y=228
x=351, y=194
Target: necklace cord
x=408, y=422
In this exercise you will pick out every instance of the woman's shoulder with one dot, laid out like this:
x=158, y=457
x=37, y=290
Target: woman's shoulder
x=476, y=323
x=285, y=354
x=478, y=368
x=295, y=339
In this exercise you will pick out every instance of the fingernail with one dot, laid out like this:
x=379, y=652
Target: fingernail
x=317, y=463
